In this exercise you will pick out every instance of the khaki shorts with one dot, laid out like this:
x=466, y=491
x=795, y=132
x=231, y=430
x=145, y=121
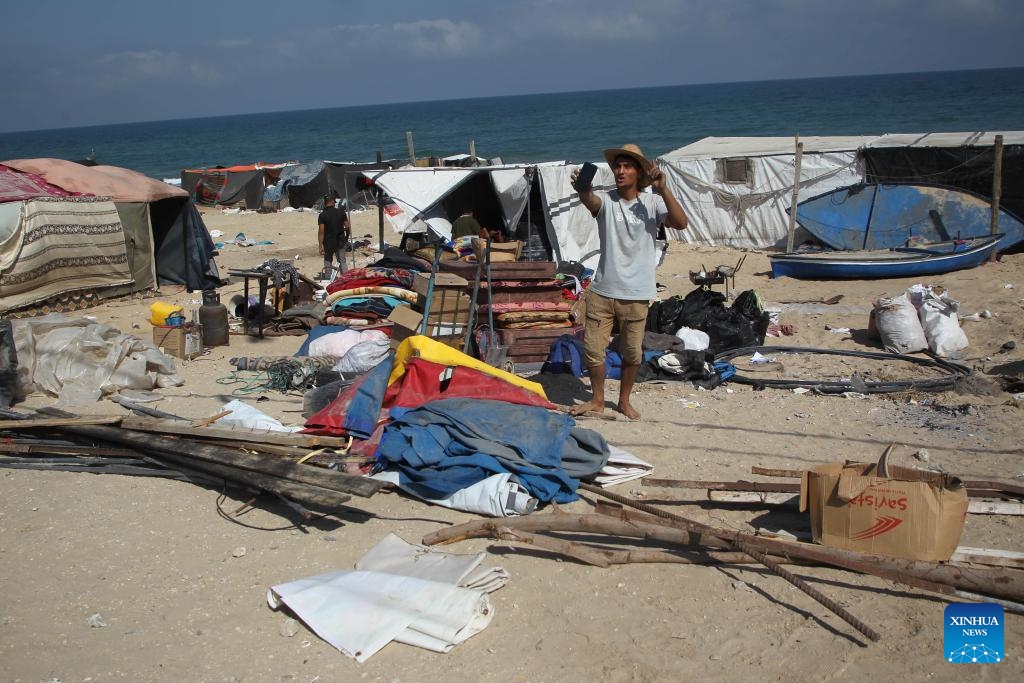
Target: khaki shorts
x=602, y=314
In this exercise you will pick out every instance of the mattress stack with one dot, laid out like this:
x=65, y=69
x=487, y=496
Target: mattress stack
x=528, y=308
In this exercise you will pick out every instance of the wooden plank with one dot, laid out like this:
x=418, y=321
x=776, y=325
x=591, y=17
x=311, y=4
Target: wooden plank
x=223, y=461
x=755, y=497
x=207, y=421
x=976, y=487
x=768, y=487
x=963, y=555
x=151, y=424
x=995, y=507
x=57, y=422
x=989, y=557
x=974, y=507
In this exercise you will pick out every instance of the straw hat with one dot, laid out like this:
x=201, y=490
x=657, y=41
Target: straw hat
x=634, y=152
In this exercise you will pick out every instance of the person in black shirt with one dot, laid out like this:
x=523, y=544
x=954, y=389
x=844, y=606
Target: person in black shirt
x=334, y=234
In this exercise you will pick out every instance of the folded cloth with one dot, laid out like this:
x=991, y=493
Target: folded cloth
x=499, y=495
x=515, y=306
x=359, y=612
x=394, y=555
x=372, y=276
x=397, y=292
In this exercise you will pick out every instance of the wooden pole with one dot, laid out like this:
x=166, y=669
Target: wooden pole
x=997, y=187
x=796, y=191
x=380, y=210
x=412, y=150
x=472, y=149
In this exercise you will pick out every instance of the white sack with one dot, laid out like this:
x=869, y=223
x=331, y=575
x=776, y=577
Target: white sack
x=899, y=326
x=938, y=315
x=694, y=340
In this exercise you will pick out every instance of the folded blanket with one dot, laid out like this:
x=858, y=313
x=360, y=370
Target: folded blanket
x=397, y=292
x=536, y=326
x=371, y=277
x=532, y=317
x=513, y=306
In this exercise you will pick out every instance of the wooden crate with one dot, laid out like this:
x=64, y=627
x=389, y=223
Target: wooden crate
x=511, y=270
x=447, y=306
x=514, y=295
x=421, y=282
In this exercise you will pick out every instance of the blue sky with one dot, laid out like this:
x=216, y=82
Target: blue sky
x=72, y=63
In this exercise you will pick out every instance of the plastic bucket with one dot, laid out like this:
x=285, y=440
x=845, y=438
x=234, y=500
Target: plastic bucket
x=160, y=311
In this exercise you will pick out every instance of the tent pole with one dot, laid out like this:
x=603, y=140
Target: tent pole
x=997, y=188
x=348, y=214
x=380, y=210
x=796, y=191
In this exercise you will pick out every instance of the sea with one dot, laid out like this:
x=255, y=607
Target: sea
x=572, y=126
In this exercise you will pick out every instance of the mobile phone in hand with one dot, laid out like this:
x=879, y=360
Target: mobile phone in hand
x=585, y=178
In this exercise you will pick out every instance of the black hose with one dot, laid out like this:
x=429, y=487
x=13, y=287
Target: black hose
x=954, y=371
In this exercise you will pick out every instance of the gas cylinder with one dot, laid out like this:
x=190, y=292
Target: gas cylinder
x=213, y=316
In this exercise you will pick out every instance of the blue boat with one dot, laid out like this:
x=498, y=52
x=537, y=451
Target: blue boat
x=877, y=216
x=931, y=259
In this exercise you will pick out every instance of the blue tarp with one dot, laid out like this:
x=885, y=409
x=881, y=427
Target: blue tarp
x=447, y=445
x=299, y=174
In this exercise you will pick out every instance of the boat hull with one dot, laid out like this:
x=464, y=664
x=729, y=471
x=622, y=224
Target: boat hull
x=933, y=259
x=876, y=216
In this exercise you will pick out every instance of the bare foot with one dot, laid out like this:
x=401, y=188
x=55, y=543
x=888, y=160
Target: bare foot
x=629, y=411
x=591, y=407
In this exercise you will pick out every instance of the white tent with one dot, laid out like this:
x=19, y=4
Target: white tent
x=571, y=230
x=419, y=193
x=736, y=191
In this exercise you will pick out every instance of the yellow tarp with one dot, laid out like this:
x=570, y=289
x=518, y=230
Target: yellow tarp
x=434, y=351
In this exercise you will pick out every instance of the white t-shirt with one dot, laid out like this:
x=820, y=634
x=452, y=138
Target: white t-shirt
x=628, y=231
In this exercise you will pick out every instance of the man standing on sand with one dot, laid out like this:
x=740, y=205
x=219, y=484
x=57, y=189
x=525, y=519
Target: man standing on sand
x=624, y=284
x=333, y=236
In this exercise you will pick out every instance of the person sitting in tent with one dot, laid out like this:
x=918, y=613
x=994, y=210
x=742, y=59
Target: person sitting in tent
x=466, y=225
x=334, y=233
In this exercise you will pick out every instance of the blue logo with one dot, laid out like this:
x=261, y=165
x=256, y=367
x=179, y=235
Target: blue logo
x=973, y=633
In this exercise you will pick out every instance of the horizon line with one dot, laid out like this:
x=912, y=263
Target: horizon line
x=483, y=97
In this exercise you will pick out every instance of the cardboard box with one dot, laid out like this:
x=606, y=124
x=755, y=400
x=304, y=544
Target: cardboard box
x=185, y=342
x=913, y=514
x=500, y=251
x=447, y=307
x=405, y=323
x=441, y=281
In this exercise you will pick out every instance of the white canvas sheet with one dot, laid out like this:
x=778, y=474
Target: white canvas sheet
x=572, y=231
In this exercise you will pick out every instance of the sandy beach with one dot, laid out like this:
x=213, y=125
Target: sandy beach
x=180, y=585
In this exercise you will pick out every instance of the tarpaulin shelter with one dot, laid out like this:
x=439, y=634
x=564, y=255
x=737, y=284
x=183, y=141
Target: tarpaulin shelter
x=231, y=185
x=54, y=244
x=736, y=191
x=165, y=237
x=305, y=185
x=961, y=160
x=499, y=196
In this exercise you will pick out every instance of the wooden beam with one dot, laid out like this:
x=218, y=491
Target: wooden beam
x=154, y=425
x=35, y=423
x=988, y=556
x=974, y=507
